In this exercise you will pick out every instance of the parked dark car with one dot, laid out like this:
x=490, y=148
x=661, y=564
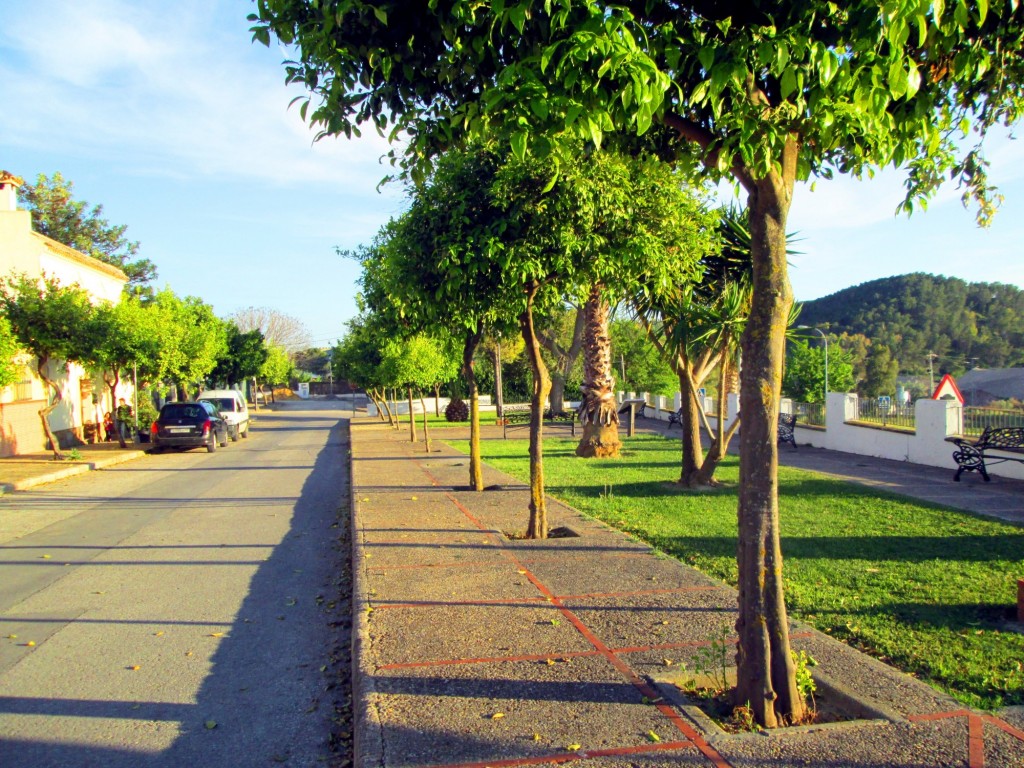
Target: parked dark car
x=189, y=425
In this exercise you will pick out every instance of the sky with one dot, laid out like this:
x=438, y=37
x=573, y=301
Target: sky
x=171, y=118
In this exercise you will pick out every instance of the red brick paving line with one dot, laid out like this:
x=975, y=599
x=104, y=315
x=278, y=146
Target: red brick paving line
x=975, y=731
x=624, y=669
x=560, y=758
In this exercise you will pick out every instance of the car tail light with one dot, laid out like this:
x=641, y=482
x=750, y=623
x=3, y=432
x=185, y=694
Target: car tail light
x=206, y=427
x=154, y=428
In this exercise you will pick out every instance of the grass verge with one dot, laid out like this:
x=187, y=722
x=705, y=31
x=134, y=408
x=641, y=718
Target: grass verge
x=926, y=589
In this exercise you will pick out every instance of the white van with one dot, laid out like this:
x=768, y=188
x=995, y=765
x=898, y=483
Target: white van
x=232, y=407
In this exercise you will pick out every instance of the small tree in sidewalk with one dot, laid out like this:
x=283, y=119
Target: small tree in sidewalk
x=54, y=323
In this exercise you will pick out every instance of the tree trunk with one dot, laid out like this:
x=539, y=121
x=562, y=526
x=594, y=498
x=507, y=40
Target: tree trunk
x=44, y=413
x=538, y=527
x=412, y=420
x=564, y=361
x=598, y=411
x=437, y=400
x=766, y=678
x=692, y=453
x=556, y=400
x=426, y=433
x=476, y=475
x=382, y=398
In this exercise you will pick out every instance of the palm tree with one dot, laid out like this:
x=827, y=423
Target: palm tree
x=598, y=410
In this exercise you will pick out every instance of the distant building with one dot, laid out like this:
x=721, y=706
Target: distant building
x=982, y=386
x=86, y=399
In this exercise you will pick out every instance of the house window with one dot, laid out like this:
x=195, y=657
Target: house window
x=24, y=389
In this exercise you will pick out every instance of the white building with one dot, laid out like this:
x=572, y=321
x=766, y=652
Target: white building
x=85, y=399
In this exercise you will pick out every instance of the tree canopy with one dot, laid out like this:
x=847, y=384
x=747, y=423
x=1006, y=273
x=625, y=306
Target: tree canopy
x=763, y=93
x=58, y=215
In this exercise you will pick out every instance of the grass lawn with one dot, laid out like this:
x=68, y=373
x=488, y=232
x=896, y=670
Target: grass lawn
x=433, y=421
x=926, y=589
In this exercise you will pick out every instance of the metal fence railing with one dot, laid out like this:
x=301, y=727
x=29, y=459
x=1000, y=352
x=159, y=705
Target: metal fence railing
x=976, y=419
x=884, y=412
x=812, y=414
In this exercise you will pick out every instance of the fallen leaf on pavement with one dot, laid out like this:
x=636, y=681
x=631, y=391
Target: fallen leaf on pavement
x=134, y=667
x=574, y=747
x=210, y=724
x=216, y=634
x=497, y=716
x=655, y=738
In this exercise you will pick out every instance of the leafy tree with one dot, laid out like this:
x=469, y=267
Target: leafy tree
x=437, y=267
x=804, y=378
x=193, y=340
x=316, y=360
x=54, y=323
x=56, y=214
x=129, y=337
x=356, y=358
x=242, y=357
x=414, y=364
x=881, y=371
x=277, y=368
x=765, y=94
x=696, y=326
x=10, y=351
x=640, y=366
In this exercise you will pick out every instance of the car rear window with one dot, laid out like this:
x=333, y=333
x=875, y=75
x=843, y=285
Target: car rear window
x=223, y=403
x=183, y=411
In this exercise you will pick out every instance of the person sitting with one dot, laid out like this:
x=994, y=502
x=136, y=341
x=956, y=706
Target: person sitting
x=108, y=426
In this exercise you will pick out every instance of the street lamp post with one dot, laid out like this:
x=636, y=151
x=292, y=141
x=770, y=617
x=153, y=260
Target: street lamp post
x=824, y=338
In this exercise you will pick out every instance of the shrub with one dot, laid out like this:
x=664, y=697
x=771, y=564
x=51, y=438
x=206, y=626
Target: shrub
x=457, y=410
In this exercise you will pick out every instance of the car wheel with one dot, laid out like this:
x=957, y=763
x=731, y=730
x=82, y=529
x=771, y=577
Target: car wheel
x=224, y=442
x=156, y=449
x=245, y=432
x=233, y=433
x=212, y=445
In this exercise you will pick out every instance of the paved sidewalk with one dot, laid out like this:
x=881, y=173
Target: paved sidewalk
x=20, y=473
x=474, y=649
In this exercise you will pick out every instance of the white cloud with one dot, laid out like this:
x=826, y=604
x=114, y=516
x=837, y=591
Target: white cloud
x=162, y=80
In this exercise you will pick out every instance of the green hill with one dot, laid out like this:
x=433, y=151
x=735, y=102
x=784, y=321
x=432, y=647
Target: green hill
x=919, y=313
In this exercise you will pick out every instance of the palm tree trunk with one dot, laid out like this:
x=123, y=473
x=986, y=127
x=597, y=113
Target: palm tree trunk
x=598, y=412
x=766, y=679
x=538, y=526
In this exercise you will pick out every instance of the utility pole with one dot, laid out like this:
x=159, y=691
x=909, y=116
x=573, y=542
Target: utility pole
x=931, y=370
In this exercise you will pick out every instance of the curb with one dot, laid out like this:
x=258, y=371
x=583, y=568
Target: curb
x=78, y=468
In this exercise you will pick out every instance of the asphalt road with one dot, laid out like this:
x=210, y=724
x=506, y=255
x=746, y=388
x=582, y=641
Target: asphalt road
x=182, y=609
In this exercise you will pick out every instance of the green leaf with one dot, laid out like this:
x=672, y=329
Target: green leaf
x=913, y=80
x=982, y=11
x=788, y=82
x=381, y=14
x=897, y=80
x=518, y=142
x=707, y=58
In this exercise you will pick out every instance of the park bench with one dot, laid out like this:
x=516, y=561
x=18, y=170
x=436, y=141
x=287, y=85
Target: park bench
x=786, y=426
x=518, y=416
x=787, y=429
x=992, y=447
x=639, y=404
